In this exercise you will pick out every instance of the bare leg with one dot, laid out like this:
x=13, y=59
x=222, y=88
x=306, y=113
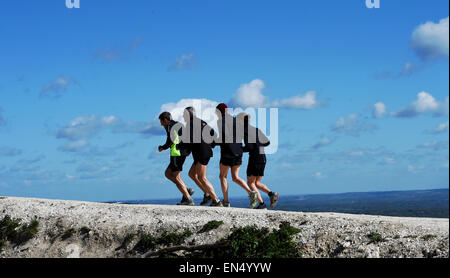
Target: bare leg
x=237, y=179
x=223, y=181
x=193, y=175
x=251, y=181
x=261, y=186
x=175, y=177
x=201, y=173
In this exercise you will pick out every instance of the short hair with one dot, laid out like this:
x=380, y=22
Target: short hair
x=243, y=116
x=165, y=115
x=190, y=110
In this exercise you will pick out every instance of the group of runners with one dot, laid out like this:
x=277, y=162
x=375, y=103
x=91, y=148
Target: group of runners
x=233, y=132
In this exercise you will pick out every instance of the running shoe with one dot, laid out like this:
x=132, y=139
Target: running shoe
x=261, y=206
x=191, y=191
x=253, y=197
x=226, y=204
x=206, y=200
x=216, y=204
x=274, y=199
x=186, y=202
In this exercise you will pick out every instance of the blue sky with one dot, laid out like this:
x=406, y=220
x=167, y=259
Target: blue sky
x=80, y=90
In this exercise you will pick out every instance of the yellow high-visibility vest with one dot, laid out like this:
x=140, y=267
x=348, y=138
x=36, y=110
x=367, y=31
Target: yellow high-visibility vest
x=173, y=148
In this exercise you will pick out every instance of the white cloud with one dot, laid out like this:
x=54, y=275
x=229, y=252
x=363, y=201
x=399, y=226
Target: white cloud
x=287, y=165
x=389, y=160
x=430, y=40
x=8, y=151
x=2, y=120
x=435, y=145
x=307, y=101
x=319, y=175
x=250, y=95
x=184, y=62
x=74, y=146
x=379, y=109
x=424, y=104
x=204, y=109
x=54, y=88
x=322, y=143
x=92, y=170
x=351, y=125
x=85, y=126
x=441, y=128
x=408, y=69
x=88, y=126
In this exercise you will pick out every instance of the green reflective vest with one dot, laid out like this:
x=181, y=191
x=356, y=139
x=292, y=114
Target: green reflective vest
x=173, y=149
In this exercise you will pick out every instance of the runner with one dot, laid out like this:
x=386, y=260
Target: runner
x=178, y=155
x=201, y=153
x=255, y=141
x=231, y=155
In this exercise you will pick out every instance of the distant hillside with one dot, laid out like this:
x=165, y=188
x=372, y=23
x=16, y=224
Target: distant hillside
x=415, y=203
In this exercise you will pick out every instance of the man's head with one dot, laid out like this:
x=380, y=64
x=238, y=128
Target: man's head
x=221, y=109
x=243, y=118
x=188, y=114
x=165, y=118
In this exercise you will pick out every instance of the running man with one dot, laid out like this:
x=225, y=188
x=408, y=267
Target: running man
x=255, y=141
x=201, y=153
x=178, y=155
x=231, y=155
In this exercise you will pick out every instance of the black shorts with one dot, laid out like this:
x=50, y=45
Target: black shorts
x=176, y=163
x=200, y=159
x=230, y=162
x=256, y=169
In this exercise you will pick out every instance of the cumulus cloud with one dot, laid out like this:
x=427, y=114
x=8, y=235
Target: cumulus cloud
x=135, y=43
x=85, y=126
x=184, y=62
x=83, y=148
x=74, y=146
x=88, y=126
x=424, y=104
x=441, y=128
x=55, y=88
x=322, y=143
x=389, y=160
x=408, y=69
x=204, y=109
x=27, y=164
x=319, y=175
x=2, y=120
x=431, y=40
x=8, y=151
x=113, y=53
x=379, y=109
x=435, y=145
x=106, y=54
x=351, y=125
x=307, y=101
x=93, y=170
x=250, y=95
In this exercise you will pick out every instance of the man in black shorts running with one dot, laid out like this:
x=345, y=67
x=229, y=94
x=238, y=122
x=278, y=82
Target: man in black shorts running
x=178, y=155
x=255, y=141
x=201, y=153
x=231, y=154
